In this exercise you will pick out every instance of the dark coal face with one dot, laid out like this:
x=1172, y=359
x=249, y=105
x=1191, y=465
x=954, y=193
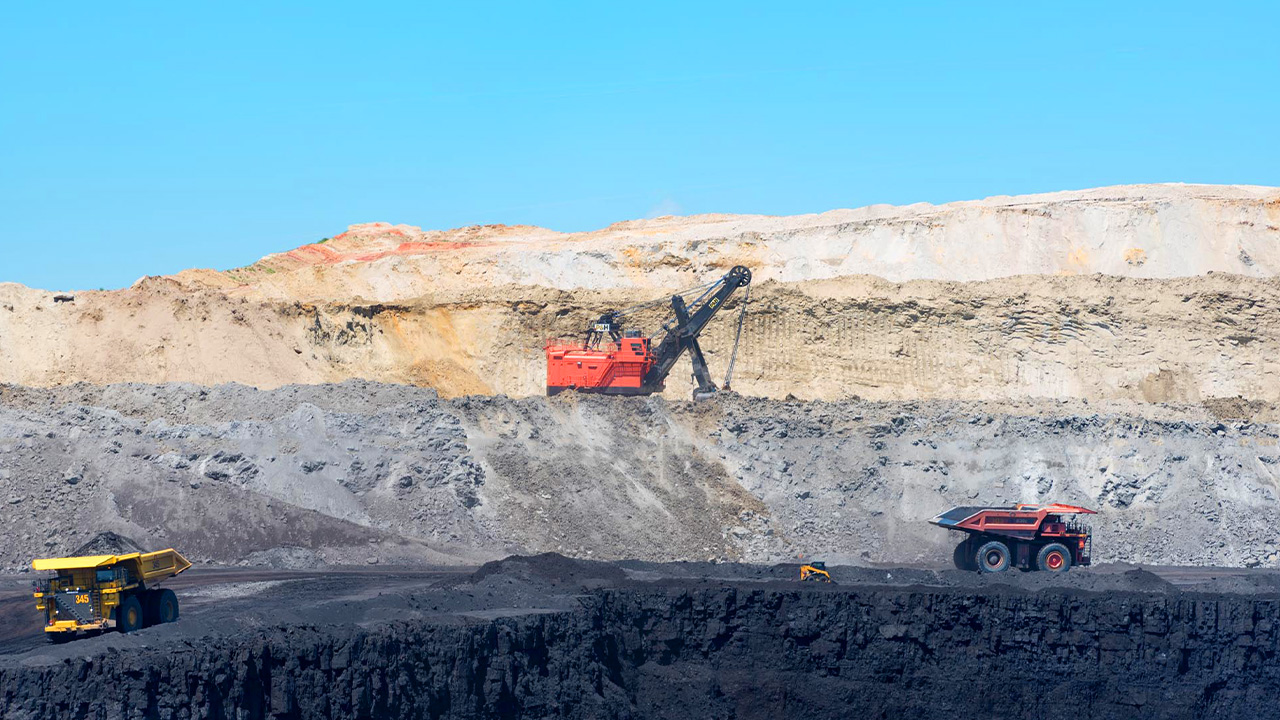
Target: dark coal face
x=693, y=649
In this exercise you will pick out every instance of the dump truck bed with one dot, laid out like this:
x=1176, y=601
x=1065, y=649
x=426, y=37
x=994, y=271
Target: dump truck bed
x=1018, y=520
x=955, y=516
x=147, y=567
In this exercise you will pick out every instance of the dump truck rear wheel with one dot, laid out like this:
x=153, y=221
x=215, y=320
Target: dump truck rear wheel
x=1054, y=557
x=166, y=606
x=129, y=615
x=150, y=608
x=963, y=557
x=992, y=557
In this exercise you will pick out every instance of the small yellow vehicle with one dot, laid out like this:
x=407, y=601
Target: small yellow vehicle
x=815, y=572
x=96, y=593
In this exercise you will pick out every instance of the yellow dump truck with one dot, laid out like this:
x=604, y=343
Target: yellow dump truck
x=95, y=593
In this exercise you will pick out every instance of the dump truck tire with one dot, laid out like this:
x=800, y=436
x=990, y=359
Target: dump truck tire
x=58, y=638
x=150, y=608
x=129, y=616
x=963, y=556
x=1054, y=558
x=166, y=606
x=992, y=557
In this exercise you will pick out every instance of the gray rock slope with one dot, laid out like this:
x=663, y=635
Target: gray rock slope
x=367, y=473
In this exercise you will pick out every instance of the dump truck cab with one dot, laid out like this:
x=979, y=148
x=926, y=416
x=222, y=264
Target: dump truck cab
x=95, y=593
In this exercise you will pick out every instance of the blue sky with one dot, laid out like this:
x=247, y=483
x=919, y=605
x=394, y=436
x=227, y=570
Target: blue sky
x=143, y=138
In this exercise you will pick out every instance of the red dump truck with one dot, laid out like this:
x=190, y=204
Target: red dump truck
x=1031, y=537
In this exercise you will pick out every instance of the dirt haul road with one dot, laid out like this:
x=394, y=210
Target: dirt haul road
x=551, y=637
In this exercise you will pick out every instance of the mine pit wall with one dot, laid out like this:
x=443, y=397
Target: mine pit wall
x=1083, y=337
x=713, y=653
x=338, y=474
x=1094, y=338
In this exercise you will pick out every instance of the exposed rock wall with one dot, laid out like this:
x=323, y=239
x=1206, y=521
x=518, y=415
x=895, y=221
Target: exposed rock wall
x=361, y=472
x=1094, y=294
x=721, y=652
x=1092, y=338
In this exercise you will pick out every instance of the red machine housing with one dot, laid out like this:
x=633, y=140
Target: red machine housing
x=613, y=360
x=1031, y=537
x=616, y=368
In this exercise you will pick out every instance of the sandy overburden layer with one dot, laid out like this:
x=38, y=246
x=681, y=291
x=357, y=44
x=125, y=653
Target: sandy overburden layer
x=1091, y=337
x=1147, y=231
x=989, y=299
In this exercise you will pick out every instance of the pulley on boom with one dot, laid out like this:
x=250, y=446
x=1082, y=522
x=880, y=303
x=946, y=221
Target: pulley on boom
x=614, y=360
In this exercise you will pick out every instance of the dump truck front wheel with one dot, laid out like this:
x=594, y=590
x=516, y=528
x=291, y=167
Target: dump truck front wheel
x=992, y=557
x=129, y=615
x=1054, y=558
